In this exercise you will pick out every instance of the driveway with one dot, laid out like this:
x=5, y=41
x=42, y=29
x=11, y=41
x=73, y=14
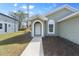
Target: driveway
x=57, y=46
x=34, y=48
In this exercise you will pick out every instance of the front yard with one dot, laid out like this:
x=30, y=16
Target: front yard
x=57, y=46
x=13, y=44
x=10, y=35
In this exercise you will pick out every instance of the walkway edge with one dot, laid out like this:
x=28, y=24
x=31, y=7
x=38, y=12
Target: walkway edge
x=34, y=48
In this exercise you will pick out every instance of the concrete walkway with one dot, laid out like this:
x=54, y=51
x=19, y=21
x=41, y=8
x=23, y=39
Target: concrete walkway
x=34, y=48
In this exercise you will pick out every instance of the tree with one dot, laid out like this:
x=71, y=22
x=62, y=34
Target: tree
x=20, y=16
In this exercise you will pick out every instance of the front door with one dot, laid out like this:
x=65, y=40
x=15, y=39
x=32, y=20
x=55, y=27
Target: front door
x=5, y=27
x=38, y=29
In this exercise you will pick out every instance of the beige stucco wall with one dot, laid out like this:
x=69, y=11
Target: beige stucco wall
x=55, y=16
x=59, y=15
x=69, y=29
x=45, y=28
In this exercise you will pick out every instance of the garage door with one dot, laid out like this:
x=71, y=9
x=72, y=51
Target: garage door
x=38, y=29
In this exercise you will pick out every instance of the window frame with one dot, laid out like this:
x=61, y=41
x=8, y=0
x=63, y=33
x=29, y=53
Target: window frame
x=1, y=25
x=51, y=22
x=9, y=25
x=50, y=27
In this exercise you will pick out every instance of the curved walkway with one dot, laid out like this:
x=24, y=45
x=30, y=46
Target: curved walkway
x=34, y=48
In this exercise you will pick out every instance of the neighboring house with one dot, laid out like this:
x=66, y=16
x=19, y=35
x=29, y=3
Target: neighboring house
x=63, y=22
x=7, y=24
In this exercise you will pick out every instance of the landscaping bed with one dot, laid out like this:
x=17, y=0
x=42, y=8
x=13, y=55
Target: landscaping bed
x=57, y=46
x=13, y=44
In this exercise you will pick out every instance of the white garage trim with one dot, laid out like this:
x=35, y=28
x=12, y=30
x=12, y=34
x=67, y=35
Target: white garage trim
x=42, y=34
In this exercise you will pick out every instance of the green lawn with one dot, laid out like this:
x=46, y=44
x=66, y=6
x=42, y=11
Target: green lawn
x=13, y=44
x=10, y=35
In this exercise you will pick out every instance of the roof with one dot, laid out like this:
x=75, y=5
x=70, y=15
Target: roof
x=69, y=16
x=8, y=16
x=40, y=16
x=61, y=7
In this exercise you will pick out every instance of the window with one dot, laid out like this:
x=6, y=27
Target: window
x=9, y=25
x=0, y=25
x=50, y=27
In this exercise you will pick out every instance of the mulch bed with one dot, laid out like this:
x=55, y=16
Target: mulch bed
x=57, y=46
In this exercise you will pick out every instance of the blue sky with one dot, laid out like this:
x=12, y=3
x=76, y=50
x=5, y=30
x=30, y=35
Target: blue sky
x=34, y=8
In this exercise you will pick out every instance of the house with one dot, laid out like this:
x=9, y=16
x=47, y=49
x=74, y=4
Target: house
x=7, y=24
x=63, y=22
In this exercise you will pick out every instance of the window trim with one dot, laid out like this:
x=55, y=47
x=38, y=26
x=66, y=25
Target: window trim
x=53, y=23
x=50, y=29
x=9, y=25
x=1, y=25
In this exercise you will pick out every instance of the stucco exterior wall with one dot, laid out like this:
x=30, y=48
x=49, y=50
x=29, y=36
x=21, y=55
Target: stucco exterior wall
x=69, y=29
x=57, y=16
x=13, y=24
x=45, y=28
x=56, y=29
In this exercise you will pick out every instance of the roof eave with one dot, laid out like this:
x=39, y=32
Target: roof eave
x=8, y=16
x=76, y=13
x=65, y=6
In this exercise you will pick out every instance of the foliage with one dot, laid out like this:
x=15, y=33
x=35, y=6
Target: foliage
x=20, y=16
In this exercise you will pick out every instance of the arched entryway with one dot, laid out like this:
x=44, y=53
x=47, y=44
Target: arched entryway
x=37, y=28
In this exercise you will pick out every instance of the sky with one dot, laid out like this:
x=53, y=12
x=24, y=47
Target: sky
x=34, y=8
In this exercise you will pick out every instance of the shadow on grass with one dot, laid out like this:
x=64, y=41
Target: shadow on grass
x=21, y=39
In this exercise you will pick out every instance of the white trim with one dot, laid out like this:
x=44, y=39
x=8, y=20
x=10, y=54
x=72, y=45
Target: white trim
x=51, y=22
x=61, y=7
x=33, y=28
x=76, y=13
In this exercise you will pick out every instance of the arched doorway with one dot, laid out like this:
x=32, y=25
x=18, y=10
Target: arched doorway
x=37, y=29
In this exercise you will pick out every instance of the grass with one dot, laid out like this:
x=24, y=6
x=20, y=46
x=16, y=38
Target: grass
x=13, y=44
x=10, y=35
